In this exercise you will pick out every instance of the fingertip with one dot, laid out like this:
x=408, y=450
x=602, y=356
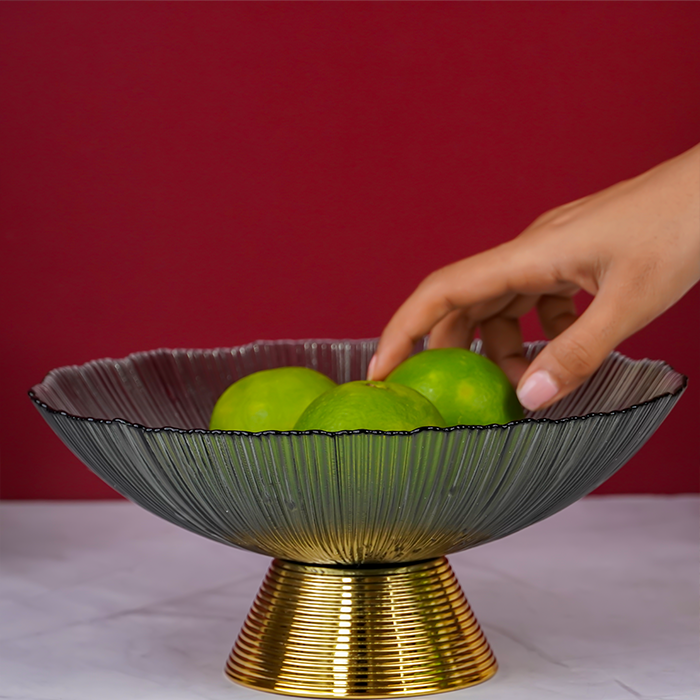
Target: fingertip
x=436, y=341
x=371, y=367
x=386, y=358
x=538, y=389
x=380, y=366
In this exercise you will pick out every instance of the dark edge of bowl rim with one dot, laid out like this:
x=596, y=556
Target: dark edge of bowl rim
x=452, y=428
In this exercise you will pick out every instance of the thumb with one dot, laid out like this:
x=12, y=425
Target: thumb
x=574, y=355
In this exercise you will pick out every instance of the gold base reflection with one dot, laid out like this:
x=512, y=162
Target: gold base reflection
x=370, y=632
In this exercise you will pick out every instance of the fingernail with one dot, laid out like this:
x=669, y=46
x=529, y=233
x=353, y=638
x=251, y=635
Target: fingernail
x=538, y=389
x=370, y=367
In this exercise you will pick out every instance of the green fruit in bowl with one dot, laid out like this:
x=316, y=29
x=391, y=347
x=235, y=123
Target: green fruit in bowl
x=467, y=388
x=370, y=405
x=272, y=399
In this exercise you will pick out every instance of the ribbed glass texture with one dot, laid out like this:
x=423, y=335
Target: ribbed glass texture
x=342, y=498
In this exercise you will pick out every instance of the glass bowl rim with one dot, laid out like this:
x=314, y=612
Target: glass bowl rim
x=453, y=428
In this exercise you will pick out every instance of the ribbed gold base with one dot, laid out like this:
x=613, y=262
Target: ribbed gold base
x=365, y=632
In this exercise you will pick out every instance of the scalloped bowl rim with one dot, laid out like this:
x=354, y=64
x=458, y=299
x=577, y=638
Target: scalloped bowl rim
x=453, y=428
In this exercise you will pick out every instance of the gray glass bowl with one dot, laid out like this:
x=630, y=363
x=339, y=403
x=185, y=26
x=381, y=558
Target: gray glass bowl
x=351, y=498
x=359, y=601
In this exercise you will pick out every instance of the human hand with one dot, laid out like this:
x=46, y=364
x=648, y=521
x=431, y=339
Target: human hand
x=634, y=246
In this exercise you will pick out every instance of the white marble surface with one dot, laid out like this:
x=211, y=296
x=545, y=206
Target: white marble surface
x=103, y=601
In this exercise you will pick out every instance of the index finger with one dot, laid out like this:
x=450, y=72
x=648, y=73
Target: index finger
x=480, y=278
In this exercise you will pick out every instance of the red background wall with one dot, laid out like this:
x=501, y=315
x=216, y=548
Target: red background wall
x=204, y=174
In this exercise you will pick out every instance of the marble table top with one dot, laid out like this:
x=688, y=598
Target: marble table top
x=103, y=601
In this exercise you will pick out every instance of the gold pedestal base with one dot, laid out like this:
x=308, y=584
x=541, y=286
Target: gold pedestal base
x=367, y=632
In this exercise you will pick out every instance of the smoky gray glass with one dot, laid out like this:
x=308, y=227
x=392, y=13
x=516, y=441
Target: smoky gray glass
x=359, y=497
